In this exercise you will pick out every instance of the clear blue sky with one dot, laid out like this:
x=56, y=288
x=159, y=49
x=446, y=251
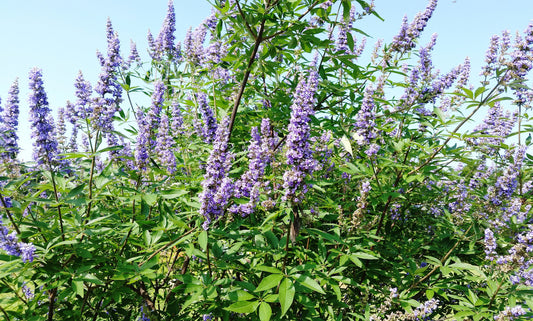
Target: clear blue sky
x=62, y=36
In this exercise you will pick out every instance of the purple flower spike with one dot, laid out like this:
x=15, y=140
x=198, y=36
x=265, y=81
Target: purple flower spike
x=143, y=141
x=260, y=156
x=177, y=119
x=217, y=187
x=165, y=40
x=299, y=154
x=153, y=48
x=405, y=40
x=209, y=128
x=365, y=125
x=108, y=88
x=9, y=125
x=154, y=114
x=163, y=146
x=134, y=54
x=83, y=93
x=45, y=148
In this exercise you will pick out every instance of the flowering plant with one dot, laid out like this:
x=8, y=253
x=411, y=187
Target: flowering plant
x=277, y=172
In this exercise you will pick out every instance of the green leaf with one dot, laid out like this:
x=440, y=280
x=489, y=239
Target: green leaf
x=365, y=256
x=150, y=199
x=91, y=278
x=479, y=91
x=286, y=295
x=310, y=283
x=265, y=311
x=243, y=306
x=241, y=295
x=269, y=282
x=78, y=288
x=265, y=268
x=202, y=240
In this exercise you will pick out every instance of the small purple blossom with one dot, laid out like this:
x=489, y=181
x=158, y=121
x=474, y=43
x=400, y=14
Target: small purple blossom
x=27, y=291
x=143, y=316
x=425, y=309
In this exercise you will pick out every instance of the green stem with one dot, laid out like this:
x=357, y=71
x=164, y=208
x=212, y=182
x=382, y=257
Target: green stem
x=56, y=195
x=495, y=293
x=5, y=313
x=442, y=260
x=9, y=214
x=208, y=256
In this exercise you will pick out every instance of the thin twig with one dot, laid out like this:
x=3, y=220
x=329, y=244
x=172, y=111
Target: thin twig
x=166, y=246
x=435, y=268
x=258, y=41
x=246, y=24
x=9, y=214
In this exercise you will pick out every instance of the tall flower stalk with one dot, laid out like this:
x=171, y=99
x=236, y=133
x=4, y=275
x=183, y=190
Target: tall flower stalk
x=299, y=154
x=45, y=149
x=9, y=125
x=217, y=186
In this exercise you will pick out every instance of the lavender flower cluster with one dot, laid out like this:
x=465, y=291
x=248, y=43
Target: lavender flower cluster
x=10, y=244
x=260, y=154
x=217, y=186
x=510, y=313
x=518, y=262
x=9, y=124
x=496, y=126
x=365, y=126
x=299, y=154
x=107, y=86
x=45, y=145
x=409, y=32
